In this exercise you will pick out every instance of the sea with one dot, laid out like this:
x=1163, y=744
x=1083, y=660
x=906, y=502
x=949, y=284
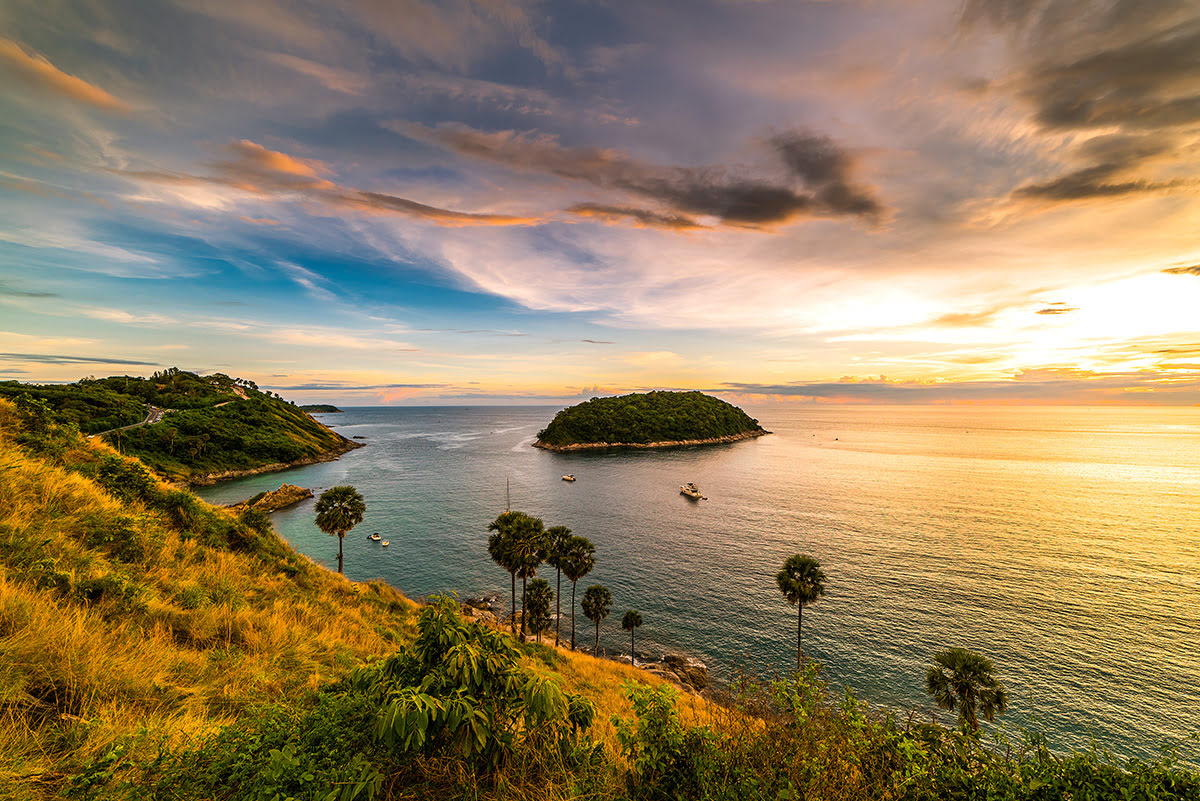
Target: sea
x=1062, y=543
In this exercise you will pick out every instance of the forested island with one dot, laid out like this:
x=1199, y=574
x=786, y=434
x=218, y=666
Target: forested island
x=185, y=426
x=320, y=408
x=648, y=420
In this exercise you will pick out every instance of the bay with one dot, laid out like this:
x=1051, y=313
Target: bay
x=1063, y=543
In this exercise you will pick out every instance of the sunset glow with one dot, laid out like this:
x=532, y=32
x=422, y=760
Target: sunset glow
x=972, y=201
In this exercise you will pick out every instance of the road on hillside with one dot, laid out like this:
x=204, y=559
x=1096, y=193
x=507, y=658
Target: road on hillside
x=153, y=415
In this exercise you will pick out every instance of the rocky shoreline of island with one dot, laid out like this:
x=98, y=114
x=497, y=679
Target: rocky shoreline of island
x=209, y=479
x=584, y=446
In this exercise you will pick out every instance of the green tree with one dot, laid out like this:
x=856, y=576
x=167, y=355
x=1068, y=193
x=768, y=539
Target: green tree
x=556, y=542
x=629, y=622
x=537, y=606
x=963, y=679
x=597, y=601
x=579, y=557
x=529, y=551
x=500, y=548
x=340, y=509
x=802, y=582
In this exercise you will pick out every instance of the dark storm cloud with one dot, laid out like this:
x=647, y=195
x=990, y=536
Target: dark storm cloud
x=814, y=179
x=52, y=358
x=1128, y=65
x=1184, y=269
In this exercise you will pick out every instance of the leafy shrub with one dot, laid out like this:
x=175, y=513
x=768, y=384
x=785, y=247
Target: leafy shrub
x=461, y=691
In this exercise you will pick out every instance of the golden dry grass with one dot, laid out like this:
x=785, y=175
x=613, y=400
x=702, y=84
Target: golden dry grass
x=208, y=634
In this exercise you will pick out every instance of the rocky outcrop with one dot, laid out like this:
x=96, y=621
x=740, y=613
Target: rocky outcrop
x=287, y=495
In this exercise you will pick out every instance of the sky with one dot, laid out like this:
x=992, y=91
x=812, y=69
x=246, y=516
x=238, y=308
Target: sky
x=498, y=201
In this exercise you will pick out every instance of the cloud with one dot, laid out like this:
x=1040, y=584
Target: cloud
x=347, y=386
x=338, y=80
x=967, y=319
x=1183, y=269
x=36, y=72
x=50, y=358
x=12, y=291
x=1123, y=75
x=736, y=198
x=641, y=218
x=1038, y=385
x=252, y=168
x=1057, y=308
x=597, y=341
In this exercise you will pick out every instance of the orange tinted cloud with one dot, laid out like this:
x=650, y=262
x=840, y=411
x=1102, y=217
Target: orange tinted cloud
x=254, y=155
x=36, y=72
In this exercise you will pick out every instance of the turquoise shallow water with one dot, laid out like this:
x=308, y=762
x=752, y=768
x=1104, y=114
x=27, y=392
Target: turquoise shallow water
x=1063, y=543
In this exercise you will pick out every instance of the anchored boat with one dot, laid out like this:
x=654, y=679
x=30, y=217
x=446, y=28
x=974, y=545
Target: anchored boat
x=692, y=491
x=570, y=477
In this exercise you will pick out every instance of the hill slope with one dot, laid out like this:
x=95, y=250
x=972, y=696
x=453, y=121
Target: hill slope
x=212, y=425
x=651, y=419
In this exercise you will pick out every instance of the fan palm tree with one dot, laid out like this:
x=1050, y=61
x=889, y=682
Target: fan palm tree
x=597, y=601
x=579, y=557
x=629, y=622
x=963, y=679
x=502, y=551
x=802, y=582
x=340, y=509
x=537, y=610
x=529, y=551
x=556, y=540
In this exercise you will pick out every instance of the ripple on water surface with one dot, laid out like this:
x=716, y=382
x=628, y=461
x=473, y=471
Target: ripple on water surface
x=1062, y=543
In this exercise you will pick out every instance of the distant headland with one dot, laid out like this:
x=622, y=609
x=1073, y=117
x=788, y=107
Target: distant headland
x=320, y=408
x=648, y=420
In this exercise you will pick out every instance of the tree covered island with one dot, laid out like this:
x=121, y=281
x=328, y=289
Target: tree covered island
x=648, y=420
x=320, y=408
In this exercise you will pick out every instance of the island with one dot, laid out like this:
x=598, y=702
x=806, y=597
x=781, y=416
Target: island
x=648, y=420
x=320, y=408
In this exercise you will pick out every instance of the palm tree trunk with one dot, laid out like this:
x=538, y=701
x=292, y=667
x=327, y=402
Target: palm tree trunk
x=341, y=534
x=572, y=615
x=632, y=653
x=557, y=608
x=596, y=649
x=512, y=617
x=523, y=580
x=799, y=651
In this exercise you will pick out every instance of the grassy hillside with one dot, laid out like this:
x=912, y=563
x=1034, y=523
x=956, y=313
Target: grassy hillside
x=214, y=424
x=155, y=647
x=645, y=418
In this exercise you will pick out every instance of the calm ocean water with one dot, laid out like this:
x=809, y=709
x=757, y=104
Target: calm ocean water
x=1063, y=543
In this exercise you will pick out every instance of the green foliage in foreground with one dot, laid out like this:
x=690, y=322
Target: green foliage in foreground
x=647, y=417
x=218, y=423
x=457, y=703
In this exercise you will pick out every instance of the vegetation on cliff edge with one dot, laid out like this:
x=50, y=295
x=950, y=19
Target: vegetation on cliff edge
x=643, y=418
x=214, y=423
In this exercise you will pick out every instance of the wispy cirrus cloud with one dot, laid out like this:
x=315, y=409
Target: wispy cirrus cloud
x=36, y=72
x=257, y=170
x=56, y=358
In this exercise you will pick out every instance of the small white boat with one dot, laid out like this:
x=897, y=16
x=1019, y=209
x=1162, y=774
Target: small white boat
x=385, y=543
x=375, y=537
x=570, y=477
x=692, y=491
